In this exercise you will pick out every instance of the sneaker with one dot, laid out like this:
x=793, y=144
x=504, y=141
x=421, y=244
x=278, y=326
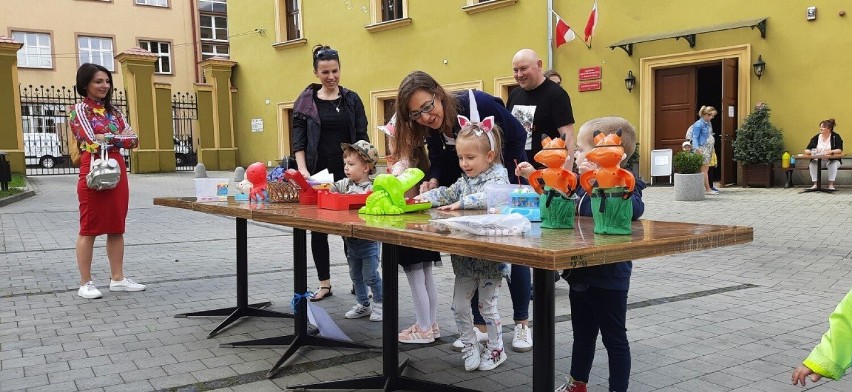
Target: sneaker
x=491, y=359
x=358, y=311
x=377, y=312
x=436, y=331
x=472, y=356
x=572, y=386
x=89, y=291
x=125, y=284
x=480, y=336
x=713, y=188
x=712, y=192
x=522, y=342
x=413, y=334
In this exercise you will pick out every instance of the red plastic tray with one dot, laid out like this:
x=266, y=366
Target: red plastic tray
x=338, y=201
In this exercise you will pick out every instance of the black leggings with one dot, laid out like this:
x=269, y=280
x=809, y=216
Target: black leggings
x=319, y=241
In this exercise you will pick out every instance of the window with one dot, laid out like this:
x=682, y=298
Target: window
x=392, y=10
x=96, y=50
x=38, y=118
x=294, y=28
x=162, y=49
x=212, y=50
x=214, y=28
x=219, y=6
x=36, y=52
x=154, y=3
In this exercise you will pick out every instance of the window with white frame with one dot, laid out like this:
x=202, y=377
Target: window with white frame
x=154, y=3
x=36, y=52
x=214, y=36
x=96, y=50
x=220, y=6
x=213, y=50
x=164, y=51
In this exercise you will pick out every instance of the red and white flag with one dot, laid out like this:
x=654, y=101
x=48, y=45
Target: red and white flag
x=564, y=33
x=591, y=24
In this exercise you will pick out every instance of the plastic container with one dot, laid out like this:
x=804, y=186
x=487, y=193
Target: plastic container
x=785, y=160
x=211, y=189
x=500, y=196
x=339, y=201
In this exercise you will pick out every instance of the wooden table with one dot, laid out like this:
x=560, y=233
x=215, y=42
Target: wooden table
x=544, y=250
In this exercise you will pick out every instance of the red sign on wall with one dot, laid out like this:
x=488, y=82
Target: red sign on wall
x=590, y=73
x=589, y=86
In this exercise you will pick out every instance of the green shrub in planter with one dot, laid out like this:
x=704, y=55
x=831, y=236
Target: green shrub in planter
x=686, y=162
x=758, y=141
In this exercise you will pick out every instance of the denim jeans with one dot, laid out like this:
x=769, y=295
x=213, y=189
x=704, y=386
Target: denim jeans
x=519, y=290
x=363, y=259
x=596, y=309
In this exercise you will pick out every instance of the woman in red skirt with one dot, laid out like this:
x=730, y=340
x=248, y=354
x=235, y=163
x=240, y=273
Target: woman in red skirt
x=98, y=124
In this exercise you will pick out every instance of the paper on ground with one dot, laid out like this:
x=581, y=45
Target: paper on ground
x=327, y=327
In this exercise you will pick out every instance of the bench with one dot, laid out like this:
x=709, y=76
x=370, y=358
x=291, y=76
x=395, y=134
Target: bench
x=804, y=166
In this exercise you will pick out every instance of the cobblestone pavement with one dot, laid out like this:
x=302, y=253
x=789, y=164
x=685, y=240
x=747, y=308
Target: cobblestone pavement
x=729, y=319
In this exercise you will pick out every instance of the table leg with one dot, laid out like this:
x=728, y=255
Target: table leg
x=819, y=180
x=391, y=378
x=544, y=330
x=243, y=308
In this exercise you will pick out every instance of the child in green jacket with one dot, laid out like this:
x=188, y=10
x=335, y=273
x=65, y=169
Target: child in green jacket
x=833, y=355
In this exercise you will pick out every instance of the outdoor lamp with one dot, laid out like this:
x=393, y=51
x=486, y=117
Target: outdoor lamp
x=759, y=67
x=630, y=81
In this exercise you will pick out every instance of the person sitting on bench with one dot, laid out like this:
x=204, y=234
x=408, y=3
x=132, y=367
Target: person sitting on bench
x=826, y=142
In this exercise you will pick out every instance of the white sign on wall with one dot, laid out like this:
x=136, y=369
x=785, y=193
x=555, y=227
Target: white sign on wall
x=257, y=125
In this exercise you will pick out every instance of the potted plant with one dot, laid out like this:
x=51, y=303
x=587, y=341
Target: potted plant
x=757, y=145
x=688, y=179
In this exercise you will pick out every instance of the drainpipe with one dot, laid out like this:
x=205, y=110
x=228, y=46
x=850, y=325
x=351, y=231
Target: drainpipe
x=196, y=36
x=549, y=34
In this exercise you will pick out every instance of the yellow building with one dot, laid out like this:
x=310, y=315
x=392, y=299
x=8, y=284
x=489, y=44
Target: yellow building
x=682, y=54
x=59, y=35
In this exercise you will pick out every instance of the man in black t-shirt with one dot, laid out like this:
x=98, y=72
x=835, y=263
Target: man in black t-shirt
x=541, y=105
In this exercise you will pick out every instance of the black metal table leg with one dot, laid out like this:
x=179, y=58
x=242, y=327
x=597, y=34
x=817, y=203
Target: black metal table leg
x=391, y=378
x=544, y=330
x=301, y=337
x=819, y=187
x=243, y=308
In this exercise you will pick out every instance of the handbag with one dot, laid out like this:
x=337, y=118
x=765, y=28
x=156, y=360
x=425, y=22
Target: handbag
x=104, y=173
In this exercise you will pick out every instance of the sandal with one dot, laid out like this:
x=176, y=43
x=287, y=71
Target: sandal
x=316, y=297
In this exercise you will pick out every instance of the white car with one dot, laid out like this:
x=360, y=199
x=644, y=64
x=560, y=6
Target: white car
x=42, y=149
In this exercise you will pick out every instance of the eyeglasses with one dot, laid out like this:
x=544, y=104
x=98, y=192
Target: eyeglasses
x=423, y=109
x=327, y=54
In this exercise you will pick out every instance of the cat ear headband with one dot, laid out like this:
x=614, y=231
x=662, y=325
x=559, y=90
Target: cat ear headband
x=389, y=128
x=484, y=126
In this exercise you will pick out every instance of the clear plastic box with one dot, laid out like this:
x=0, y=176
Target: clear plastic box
x=500, y=196
x=211, y=189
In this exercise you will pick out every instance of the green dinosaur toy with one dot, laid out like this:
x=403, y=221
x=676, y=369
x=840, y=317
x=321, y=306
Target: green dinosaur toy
x=388, y=197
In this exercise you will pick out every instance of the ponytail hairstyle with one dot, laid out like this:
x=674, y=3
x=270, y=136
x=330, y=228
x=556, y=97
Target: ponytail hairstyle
x=322, y=53
x=830, y=123
x=705, y=110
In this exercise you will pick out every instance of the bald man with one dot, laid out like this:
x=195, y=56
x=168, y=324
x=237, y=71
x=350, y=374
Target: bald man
x=541, y=105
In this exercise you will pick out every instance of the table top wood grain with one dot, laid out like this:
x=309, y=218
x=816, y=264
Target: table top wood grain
x=553, y=249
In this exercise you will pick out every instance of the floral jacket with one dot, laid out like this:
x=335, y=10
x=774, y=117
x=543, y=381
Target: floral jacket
x=90, y=118
x=471, y=193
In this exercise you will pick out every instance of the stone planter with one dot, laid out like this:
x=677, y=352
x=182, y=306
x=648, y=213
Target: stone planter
x=689, y=187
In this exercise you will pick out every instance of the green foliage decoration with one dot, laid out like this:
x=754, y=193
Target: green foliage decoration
x=758, y=141
x=686, y=162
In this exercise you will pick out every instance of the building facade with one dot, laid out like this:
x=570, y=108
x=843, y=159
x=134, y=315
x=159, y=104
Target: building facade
x=679, y=63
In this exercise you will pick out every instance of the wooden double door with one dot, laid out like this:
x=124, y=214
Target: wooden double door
x=680, y=92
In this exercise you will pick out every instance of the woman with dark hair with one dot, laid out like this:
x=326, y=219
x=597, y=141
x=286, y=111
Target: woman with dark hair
x=425, y=111
x=826, y=142
x=324, y=116
x=98, y=124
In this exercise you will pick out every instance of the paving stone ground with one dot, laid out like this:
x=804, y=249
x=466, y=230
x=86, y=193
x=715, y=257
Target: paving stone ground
x=738, y=318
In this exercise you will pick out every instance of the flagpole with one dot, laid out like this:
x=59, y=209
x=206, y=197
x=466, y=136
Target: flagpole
x=549, y=34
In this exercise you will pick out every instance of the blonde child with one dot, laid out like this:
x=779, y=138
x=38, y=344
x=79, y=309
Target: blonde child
x=833, y=355
x=359, y=161
x=478, y=146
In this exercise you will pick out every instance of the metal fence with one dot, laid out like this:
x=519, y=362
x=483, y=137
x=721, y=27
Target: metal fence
x=184, y=116
x=44, y=116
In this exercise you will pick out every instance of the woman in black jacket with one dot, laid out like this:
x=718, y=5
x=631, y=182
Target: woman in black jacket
x=325, y=115
x=826, y=142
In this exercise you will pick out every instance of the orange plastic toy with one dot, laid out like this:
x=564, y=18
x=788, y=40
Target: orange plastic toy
x=553, y=155
x=607, y=154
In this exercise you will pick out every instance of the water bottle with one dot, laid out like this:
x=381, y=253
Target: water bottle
x=792, y=161
x=785, y=160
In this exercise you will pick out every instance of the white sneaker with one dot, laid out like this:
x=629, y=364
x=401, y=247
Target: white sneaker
x=480, y=336
x=358, y=311
x=377, y=312
x=472, y=356
x=490, y=359
x=522, y=342
x=125, y=284
x=89, y=291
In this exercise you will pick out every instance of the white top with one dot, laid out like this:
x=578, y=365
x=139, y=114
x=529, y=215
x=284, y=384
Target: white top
x=823, y=144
